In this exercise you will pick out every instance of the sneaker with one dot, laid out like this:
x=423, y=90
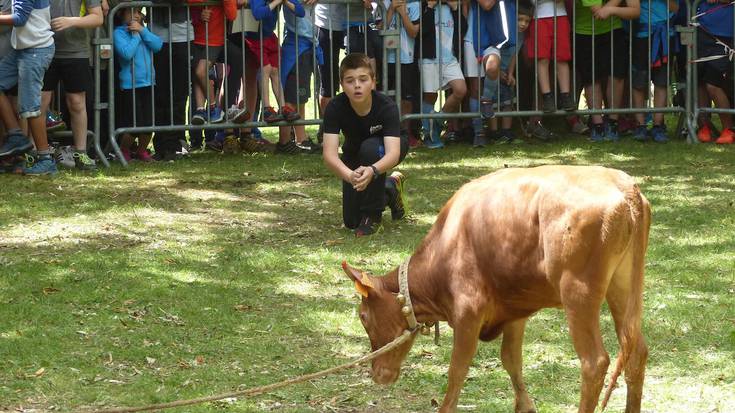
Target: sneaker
x=726, y=137
x=504, y=136
x=704, y=134
x=44, y=165
x=54, y=122
x=216, y=115
x=270, y=115
x=369, y=226
x=548, y=105
x=199, y=117
x=64, y=156
x=626, y=125
x=394, y=189
x=144, y=156
x=309, y=145
x=451, y=137
x=290, y=114
x=289, y=148
x=597, y=133
x=83, y=162
x=251, y=144
x=658, y=132
x=413, y=143
x=580, y=127
x=238, y=114
x=611, y=131
x=566, y=102
x=231, y=145
x=486, y=109
x=126, y=154
x=640, y=133
x=479, y=141
x=538, y=131
x=15, y=144
x=431, y=143
x=213, y=145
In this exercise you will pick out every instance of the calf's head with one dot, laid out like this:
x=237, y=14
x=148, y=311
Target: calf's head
x=380, y=314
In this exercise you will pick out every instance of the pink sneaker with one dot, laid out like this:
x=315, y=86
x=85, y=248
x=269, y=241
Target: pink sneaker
x=126, y=154
x=144, y=156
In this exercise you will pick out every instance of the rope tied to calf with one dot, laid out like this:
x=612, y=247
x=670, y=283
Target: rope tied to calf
x=270, y=387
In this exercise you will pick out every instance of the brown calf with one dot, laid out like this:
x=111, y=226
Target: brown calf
x=509, y=244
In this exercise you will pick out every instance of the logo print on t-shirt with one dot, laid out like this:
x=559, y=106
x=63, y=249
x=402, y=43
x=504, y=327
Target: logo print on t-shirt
x=375, y=128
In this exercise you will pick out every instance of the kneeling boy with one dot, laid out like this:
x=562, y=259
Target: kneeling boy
x=370, y=122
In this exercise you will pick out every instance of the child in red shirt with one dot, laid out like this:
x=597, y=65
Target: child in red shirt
x=209, y=42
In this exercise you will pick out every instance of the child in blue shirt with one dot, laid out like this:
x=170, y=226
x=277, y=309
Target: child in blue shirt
x=134, y=46
x=653, y=26
x=32, y=50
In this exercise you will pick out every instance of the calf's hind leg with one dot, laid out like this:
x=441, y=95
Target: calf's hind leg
x=511, y=353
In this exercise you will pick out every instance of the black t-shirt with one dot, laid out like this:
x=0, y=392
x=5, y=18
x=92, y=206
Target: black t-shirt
x=383, y=120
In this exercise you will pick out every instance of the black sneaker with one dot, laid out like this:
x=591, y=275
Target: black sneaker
x=549, y=106
x=394, y=189
x=566, y=102
x=309, y=145
x=289, y=148
x=368, y=226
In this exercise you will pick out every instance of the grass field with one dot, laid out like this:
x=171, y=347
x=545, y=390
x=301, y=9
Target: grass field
x=218, y=273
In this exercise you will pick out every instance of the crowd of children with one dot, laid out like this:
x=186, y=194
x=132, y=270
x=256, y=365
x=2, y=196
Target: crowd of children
x=486, y=56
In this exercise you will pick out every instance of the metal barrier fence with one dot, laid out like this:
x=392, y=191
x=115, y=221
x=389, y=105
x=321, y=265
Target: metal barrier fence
x=365, y=33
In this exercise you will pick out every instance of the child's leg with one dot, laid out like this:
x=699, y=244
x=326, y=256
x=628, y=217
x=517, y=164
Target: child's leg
x=265, y=76
x=543, y=76
x=721, y=100
x=459, y=90
x=639, y=100
x=563, y=76
x=506, y=122
x=275, y=80
x=126, y=141
x=77, y=104
x=428, y=102
x=201, y=82
x=593, y=95
x=300, y=130
x=614, y=94
x=492, y=66
x=659, y=101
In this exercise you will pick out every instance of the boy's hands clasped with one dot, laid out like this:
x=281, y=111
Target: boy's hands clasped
x=361, y=177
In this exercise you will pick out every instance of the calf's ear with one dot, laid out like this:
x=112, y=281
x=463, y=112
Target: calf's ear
x=363, y=284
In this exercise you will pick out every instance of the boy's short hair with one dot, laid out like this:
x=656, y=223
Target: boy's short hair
x=525, y=8
x=355, y=61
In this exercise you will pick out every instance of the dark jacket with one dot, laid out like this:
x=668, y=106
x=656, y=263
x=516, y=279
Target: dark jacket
x=428, y=39
x=178, y=12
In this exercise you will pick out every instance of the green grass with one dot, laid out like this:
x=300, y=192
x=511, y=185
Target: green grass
x=219, y=273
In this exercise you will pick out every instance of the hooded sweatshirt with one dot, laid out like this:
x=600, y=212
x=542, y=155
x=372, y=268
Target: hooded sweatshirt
x=134, y=51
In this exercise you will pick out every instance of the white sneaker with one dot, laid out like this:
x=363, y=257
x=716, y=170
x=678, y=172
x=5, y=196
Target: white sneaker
x=64, y=156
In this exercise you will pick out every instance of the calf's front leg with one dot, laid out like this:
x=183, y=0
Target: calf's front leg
x=511, y=353
x=466, y=335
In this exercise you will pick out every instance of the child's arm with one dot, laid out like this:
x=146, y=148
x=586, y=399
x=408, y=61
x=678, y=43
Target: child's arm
x=296, y=7
x=631, y=10
x=262, y=10
x=412, y=29
x=230, y=8
x=388, y=20
x=126, y=44
x=510, y=77
x=92, y=19
x=151, y=40
x=21, y=11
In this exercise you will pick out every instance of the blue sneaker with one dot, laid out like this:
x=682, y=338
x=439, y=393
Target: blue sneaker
x=216, y=115
x=611, y=132
x=432, y=141
x=640, y=133
x=597, y=133
x=15, y=144
x=658, y=132
x=199, y=117
x=44, y=165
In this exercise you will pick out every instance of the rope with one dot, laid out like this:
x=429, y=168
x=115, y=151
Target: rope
x=270, y=387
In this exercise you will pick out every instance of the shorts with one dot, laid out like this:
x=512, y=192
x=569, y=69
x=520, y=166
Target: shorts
x=300, y=94
x=329, y=71
x=74, y=74
x=32, y=62
x=143, y=108
x=472, y=66
x=270, y=50
x=718, y=72
x=436, y=79
x=545, y=33
x=356, y=41
x=640, y=80
x=616, y=41
x=209, y=53
x=409, y=80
